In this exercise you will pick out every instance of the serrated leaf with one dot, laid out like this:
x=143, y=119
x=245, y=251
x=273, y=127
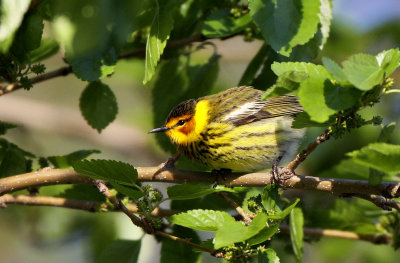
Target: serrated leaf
x=108, y=170
x=363, y=71
x=12, y=14
x=285, y=212
x=233, y=232
x=221, y=24
x=386, y=132
x=296, y=223
x=4, y=126
x=194, y=190
x=48, y=47
x=64, y=161
x=380, y=156
x=312, y=70
x=334, y=69
x=267, y=256
x=83, y=192
x=9, y=145
x=13, y=162
x=28, y=36
x=206, y=220
x=98, y=105
x=172, y=251
x=264, y=234
x=312, y=98
x=157, y=38
x=303, y=120
x=271, y=200
x=284, y=24
x=93, y=66
x=340, y=98
x=389, y=60
x=126, y=251
x=254, y=66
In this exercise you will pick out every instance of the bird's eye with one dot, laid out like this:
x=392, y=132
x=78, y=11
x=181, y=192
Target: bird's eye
x=181, y=122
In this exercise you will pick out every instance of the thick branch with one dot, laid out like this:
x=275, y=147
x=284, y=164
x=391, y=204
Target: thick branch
x=376, y=239
x=90, y=206
x=173, y=175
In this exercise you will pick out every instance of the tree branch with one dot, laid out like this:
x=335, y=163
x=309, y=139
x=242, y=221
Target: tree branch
x=90, y=206
x=247, y=218
x=174, y=175
x=380, y=201
x=376, y=239
x=304, y=153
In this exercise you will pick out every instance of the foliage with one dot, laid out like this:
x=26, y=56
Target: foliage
x=94, y=35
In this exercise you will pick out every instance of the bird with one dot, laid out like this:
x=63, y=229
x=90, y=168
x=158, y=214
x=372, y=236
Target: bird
x=235, y=129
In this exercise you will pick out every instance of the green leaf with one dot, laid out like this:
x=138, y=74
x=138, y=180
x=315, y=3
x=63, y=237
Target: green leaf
x=128, y=191
x=13, y=162
x=285, y=212
x=296, y=223
x=303, y=120
x=9, y=145
x=254, y=66
x=340, y=98
x=312, y=98
x=28, y=36
x=233, y=232
x=12, y=13
x=157, y=38
x=267, y=256
x=386, y=132
x=65, y=161
x=48, y=47
x=172, y=251
x=375, y=176
x=126, y=251
x=312, y=70
x=98, y=105
x=221, y=24
x=93, y=66
x=389, y=60
x=108, y=170
x=271, y=200
x=363, y=71
x=334, y=69
x=266, y=233
x=206, y=220
x=266, y=78
x=284, y=24
x=83, y=192
x=194, y=190
x=380, y=156
x=4, y=126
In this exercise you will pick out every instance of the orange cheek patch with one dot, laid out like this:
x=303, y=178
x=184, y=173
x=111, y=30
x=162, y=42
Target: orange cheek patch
x=188, y=127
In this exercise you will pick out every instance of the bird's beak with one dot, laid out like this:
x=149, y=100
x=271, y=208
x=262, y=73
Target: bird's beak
x=161, y=129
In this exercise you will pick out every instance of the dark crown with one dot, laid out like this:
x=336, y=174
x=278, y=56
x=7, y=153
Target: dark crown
x=186, y=107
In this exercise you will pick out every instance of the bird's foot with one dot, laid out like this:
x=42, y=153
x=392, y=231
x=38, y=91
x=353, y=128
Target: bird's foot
x=275, y=173
x=218, y=173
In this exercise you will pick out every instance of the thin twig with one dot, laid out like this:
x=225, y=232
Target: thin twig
x=311, y=147
x=247, y=218
x=185, y=241
x=64, y=71
x=376, y=239
x=334, y=186
x=380, y=201
x=119, y=205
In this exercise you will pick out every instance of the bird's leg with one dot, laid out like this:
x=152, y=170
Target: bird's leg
x=275, y=172
x=221, y=172
x=170, y=163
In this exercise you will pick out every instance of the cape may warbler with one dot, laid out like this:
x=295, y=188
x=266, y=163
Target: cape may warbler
x=234, y=129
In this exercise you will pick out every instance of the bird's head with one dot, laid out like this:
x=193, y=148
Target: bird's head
x=185, y=122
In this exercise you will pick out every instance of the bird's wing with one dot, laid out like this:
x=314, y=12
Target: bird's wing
x=257, y=109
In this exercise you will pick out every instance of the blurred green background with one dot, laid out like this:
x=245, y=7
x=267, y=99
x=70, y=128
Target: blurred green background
x=51, y=124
